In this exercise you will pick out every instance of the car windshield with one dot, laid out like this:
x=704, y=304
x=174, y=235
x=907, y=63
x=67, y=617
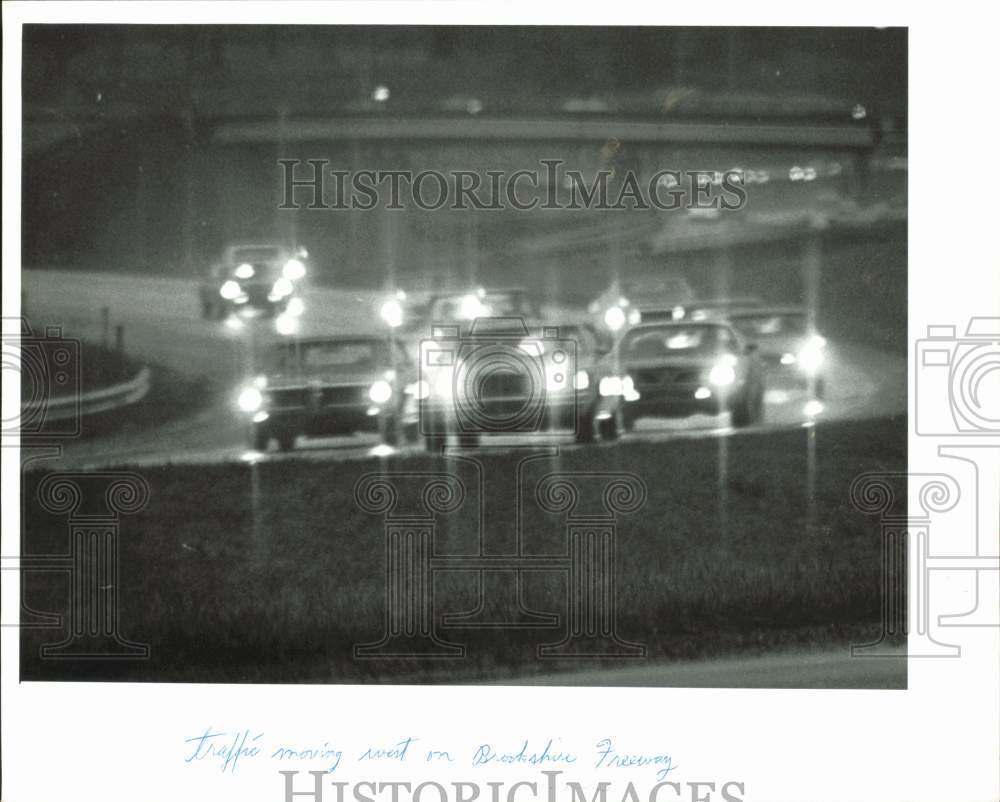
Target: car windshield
x=791, y=324
x=653, y=286
x=670, y=341
x=493, y=304
x=346, y=355
x=265, y=253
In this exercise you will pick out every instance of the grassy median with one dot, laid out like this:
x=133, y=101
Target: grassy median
x=272, y=573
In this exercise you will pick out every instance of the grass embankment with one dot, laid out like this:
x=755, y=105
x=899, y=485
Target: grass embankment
x=271, y=573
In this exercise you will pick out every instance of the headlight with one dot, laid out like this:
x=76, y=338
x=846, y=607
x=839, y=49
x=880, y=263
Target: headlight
x=392, y=313
x=380, y=392
x=811, y=356
x=471, y=307
x=722, y=374
x=293, y=270
x=286, y=324
x=229, y=290
x=610, y=385
x=614, y=318
x=250, y=399
x=282, y=287
x=582, y=380
x=420, y=389
x=244, y=270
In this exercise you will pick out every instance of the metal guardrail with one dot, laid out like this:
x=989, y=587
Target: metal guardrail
x=102, y=400
x=375, y=128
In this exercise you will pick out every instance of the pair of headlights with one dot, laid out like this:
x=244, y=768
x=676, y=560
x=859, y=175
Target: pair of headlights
x=231, y=290
x=251, y=399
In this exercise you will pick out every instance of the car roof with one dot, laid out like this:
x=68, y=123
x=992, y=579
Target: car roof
x=770, y=310
x=240, y=246
x=679, y=324
x=332, y=340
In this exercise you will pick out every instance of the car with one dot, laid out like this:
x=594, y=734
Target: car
x=788, y=344
x=458, y=306
x=502, y=375
x=624, y=301
x=323, y=386
x=265, y=278
x=675, y=369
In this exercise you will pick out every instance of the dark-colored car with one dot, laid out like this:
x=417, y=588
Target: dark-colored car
x=683, y=368
x=332, y=385
x=626, y=300
x=253, y=277
x=788, y=344
x=505, y=376
x=463, y=307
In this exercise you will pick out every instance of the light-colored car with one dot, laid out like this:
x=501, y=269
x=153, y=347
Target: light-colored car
x=505, y=376
x=332, y=385
x=264, y=278
x=788, y=344
x=683, y=368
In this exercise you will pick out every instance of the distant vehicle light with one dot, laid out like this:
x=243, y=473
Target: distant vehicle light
x=810, y=357
x=471, y=307
x=702, y=393
x=614, y=318
x=634, y=317
x=610, y=385
x=286, y=324
x=421, y=389
x=293, y=270
x=788, y=359
x=260, y=416
x=677, y=313
x=229, y=290
x=380, y=391
x=582, y=380
x=250, y=399
x=392, y=313
x=813, y=408
x=282, y=287
x=380, y=94
x=244, y=270
x=296, y=306
x=260, y=382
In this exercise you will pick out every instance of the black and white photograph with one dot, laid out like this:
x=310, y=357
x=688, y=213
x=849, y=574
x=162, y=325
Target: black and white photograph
x=355, y=351
x=453, y=354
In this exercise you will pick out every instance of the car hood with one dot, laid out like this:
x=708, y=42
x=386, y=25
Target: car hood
x=704, y=361
x=306, y=379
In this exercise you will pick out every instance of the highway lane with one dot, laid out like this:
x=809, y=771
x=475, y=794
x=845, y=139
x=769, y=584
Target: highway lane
x=829, y=668
x=162, y=324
